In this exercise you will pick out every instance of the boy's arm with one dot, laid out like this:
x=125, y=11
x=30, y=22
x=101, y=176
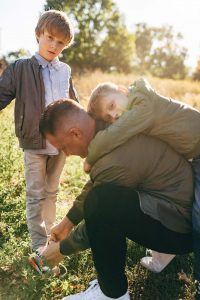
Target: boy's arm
x=72, y=91
x=7, y=87
x=137, y=120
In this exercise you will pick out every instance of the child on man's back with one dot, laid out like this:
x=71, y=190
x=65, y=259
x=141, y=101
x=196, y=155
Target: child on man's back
x=140, y=109
x=34, y=83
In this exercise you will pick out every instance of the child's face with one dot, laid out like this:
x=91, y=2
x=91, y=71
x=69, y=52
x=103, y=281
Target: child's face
x=113, y=106
x=50, y=46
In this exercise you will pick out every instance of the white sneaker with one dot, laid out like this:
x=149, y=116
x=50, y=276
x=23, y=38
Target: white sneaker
x=94, y=293
x=157, y=262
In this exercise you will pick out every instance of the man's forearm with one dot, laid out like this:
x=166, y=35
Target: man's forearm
x=61, y=230
x=77, y=241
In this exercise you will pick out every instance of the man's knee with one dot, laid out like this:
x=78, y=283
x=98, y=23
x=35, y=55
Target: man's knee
x=91, y=203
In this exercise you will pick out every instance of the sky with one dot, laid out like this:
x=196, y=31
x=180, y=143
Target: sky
x=19, y=17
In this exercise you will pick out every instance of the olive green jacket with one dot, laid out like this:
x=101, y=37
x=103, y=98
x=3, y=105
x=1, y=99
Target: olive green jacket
x=172, y=121
x=162, y=178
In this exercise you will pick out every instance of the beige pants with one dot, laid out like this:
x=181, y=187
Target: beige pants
x=42, y=174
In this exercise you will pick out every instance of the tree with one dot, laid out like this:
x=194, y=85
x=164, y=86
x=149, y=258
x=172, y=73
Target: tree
x=5, y=60
x=14, y=55
x=99, y=33
x=143, y=45
x=3, y=64
x=160, y=52
x=196, y=74
x=117, y=53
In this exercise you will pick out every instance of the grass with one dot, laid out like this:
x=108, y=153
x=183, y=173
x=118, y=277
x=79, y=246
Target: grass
x=17, y=279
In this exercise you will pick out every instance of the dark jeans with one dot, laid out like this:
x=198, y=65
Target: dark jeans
x=112, y=214
x=196, y=218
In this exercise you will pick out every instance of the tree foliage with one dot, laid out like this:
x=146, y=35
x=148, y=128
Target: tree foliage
x=196, y=74
x=5, y=60
x=160, y=52
x=101, y=38
x=14, y=55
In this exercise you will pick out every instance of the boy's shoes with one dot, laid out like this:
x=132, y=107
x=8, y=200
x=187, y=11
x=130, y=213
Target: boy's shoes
x=37, y=262
x=197, y=295
x=94, y=292
x=157, y=262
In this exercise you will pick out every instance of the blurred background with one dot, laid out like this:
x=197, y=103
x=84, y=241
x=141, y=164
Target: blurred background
x=154, y=37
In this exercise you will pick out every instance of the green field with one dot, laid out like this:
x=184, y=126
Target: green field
x=18, y=281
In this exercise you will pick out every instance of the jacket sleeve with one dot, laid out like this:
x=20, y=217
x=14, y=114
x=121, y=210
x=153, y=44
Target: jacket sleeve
x=7, y=87
x=75, y=214
x=72, y=91
x=77, y=240
x=137, y=120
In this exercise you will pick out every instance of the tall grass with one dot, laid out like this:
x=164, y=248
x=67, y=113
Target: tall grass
x=17, y=280
x=187, y=91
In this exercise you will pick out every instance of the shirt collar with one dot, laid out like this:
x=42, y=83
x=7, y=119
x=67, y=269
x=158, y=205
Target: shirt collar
x=44, y=63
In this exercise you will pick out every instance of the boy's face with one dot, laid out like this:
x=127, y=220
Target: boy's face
x=50, y=46
x=113, y=106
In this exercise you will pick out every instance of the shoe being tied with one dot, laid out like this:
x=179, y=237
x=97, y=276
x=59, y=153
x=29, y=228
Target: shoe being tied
x=94, y=293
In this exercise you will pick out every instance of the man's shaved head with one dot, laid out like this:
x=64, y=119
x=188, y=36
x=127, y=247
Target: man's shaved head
x=68, y=127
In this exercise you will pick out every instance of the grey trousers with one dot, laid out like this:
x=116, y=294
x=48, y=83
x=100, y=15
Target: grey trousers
x=42, y=174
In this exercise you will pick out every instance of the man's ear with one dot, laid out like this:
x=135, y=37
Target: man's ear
x=75, y=132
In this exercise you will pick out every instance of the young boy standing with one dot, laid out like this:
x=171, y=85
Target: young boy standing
x=34, y=83
x=140, y=109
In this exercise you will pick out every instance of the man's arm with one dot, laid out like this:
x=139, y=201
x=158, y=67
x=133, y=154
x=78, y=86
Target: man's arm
x=75, y=214
x=61, y=230
x=73, y=217
x=77, y=241
x=7, y=87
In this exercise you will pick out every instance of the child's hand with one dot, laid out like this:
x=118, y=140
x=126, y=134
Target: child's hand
x=86, y=167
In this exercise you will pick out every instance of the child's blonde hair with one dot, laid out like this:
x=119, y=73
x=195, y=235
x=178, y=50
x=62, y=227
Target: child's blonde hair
x=102, y=90
x=57, y=23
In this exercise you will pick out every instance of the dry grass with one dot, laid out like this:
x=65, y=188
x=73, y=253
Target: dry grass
x=183, y=90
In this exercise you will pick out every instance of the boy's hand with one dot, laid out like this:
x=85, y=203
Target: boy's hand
x=62, y=230
x=86, y=167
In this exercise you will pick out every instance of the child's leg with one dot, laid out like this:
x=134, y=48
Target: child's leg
x=196, y=218
x=38, y=211
x=35, y=169
x=54, y=167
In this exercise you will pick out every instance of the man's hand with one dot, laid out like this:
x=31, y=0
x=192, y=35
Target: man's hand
x=52, y=254
x=62, y=230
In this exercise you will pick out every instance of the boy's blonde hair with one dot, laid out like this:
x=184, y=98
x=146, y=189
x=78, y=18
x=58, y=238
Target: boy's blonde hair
x=102, y=90
x=57, y=23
